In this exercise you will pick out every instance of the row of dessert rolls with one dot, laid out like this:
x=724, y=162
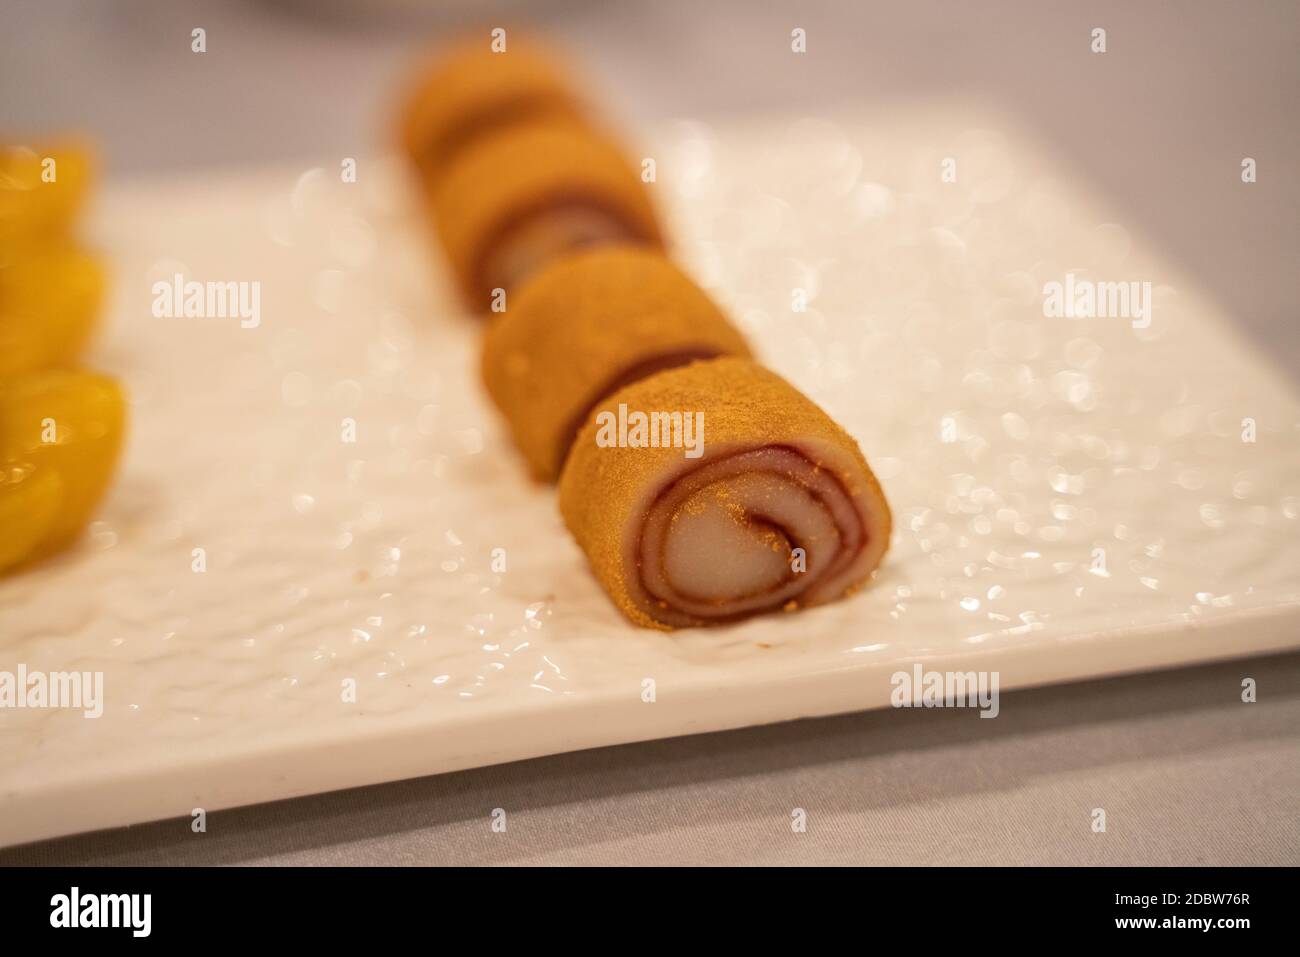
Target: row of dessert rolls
x=702, y=487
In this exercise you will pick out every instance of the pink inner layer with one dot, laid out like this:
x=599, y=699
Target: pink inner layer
x=716, y=542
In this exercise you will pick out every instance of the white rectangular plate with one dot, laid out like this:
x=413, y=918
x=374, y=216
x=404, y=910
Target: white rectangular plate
x=1072, y=497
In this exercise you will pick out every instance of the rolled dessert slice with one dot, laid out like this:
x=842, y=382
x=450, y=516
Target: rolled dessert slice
x=522, y=196
x=470, y=91
x=585, y=326
x=777, y=510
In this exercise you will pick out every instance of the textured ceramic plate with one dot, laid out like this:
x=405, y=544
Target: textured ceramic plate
x=1072, y=497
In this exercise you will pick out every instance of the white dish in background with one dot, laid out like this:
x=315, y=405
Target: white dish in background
x=329, y=561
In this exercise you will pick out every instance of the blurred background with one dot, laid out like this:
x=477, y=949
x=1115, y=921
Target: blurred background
x=1160, y=122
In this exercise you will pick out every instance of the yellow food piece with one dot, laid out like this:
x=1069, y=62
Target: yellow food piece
x=67, y=423
x=49, y=299
x=41, y=191
x=29, y=504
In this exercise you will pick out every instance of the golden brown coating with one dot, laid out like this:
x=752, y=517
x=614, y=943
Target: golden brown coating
x=583, y=327
x=469, y=91
x=679, y=541
x=523, y=195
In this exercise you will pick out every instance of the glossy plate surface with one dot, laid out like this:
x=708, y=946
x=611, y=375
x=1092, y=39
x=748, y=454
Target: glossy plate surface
x=1072, y=496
